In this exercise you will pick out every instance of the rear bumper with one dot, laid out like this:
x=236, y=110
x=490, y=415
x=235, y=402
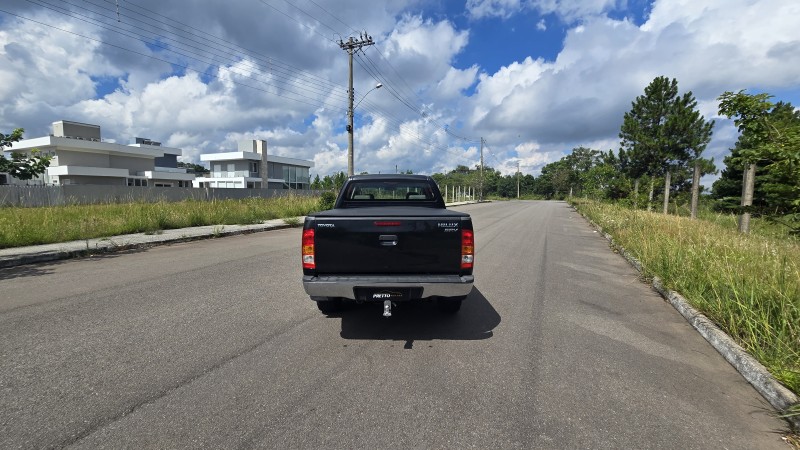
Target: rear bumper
x=344, y=285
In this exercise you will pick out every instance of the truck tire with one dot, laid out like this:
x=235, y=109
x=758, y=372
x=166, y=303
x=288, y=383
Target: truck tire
x=330, y=306
x=449, y=305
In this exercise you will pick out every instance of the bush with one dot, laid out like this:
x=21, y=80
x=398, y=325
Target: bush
x=326, y=200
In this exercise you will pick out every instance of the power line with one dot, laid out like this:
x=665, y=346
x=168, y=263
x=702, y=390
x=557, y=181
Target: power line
x=152, y=40
x=374, y=71
x=218, y=41
x=309, y=15
x=295, y=20
x=379, y=77
x=330, y=14
x=188, y=53
x=182, y=66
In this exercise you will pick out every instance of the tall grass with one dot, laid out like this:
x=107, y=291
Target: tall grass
x=749, y=285
x=31, y=226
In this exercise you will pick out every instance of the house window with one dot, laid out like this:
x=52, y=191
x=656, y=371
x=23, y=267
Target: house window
x=253, y=167
x=136, y=182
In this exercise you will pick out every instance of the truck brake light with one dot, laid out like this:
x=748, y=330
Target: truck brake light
x=467, y=249
x=308, y=249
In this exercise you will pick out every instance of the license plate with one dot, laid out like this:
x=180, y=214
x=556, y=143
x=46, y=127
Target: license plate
x=382, y=294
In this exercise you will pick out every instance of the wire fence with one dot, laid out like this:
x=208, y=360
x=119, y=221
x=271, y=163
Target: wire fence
x=39, y=196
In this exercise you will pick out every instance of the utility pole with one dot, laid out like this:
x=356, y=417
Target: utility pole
x=480, y=196
x=517, y=180
x=748, y=184
x=351, y=46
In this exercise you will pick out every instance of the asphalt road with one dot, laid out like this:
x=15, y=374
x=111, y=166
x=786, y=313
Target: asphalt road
x=214, y=344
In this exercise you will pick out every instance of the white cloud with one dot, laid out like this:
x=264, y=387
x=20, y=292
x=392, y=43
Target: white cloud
x=580, y=98
x=411, y=41
x=479, y=9
x=44, y=71
x=493, y=91
x=567, y=10
x=455, y=82
x=572, y=10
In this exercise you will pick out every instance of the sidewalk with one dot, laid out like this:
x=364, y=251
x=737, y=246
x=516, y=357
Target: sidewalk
x=10, y=257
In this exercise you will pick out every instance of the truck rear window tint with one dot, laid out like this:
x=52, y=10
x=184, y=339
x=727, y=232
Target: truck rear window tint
x=389, y=190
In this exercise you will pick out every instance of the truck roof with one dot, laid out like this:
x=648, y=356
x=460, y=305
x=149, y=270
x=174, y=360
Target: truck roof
x=384, y=176
x=389, y=176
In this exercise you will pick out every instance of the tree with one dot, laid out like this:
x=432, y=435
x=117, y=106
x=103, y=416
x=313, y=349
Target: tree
x=507, y=186
x=642, y=133
x=749, y=113
x=196, y=168
x=693, y=134
x=21, y=166
x=579, y=162
x=607, y=180
x=329, y=182
x=555, y=179
x=661, y=134
x=770, y=142
x=317, y=183
x=464, y=177
x=7, y=140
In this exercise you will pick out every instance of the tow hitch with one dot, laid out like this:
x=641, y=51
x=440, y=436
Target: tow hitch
x=387, y=308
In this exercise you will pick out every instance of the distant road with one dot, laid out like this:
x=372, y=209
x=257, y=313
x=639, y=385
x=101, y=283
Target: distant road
x=214, y=344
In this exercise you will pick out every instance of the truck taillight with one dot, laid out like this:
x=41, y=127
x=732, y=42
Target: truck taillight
x=467, y=249
x=308, y=249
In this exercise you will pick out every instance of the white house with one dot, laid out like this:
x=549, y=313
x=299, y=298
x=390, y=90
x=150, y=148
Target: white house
x=79, y=156
x=251, y=165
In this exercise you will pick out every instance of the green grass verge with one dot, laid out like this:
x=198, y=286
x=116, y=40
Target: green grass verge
x=32, y=226
x=749, y=285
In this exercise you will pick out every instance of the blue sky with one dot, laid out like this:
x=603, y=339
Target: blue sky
x=497, y=41
x=534, y=78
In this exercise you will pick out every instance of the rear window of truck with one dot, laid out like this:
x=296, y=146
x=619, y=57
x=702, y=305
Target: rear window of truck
x=405, y=191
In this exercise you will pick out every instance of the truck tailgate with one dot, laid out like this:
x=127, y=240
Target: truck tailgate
x=397, y=245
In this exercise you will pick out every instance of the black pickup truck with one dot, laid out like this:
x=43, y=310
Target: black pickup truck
x=388, y=238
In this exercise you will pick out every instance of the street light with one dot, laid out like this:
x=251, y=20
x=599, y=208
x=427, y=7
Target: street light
x=377, y=86
x=350, y=129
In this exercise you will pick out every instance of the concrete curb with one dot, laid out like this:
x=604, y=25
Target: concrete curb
x=753, y=371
